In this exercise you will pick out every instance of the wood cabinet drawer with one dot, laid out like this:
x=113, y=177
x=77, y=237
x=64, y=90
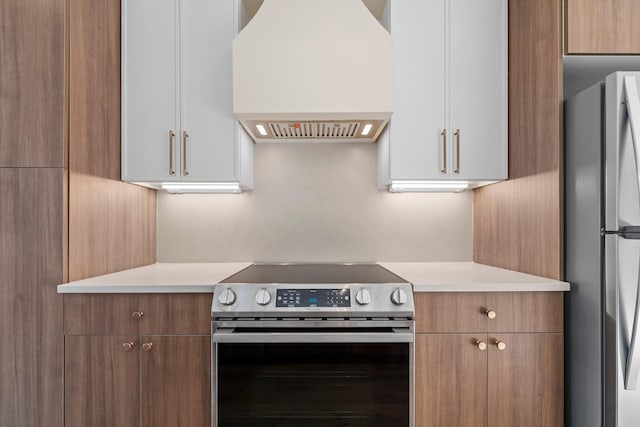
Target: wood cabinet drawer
x=451, y=312
x=160, y=314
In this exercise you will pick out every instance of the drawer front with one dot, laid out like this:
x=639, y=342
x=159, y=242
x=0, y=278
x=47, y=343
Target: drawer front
x=450, y=312
x=101, y=314
x=176, y=314
x=137, y=314
x=526, y=311
x=463, y=312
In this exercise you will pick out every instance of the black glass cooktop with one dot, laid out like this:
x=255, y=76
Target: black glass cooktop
x=314, y=273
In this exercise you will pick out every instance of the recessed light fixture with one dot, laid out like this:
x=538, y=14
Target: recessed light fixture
x=367, y=129
x=262, y=130
x=202, y=187
x=428, y=186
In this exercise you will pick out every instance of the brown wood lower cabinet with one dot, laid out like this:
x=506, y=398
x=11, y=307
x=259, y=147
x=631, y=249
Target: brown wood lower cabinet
x=102, y=381
x=490, y=379
x=115, y=379
x=526, y=381
x=176, y=381
x=123, y=381
x=451, y=381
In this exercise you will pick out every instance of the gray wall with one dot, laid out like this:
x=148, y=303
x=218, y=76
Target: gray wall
x=315, y=203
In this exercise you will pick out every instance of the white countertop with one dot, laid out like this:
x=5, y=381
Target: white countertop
x=425, y=277
x=158, y=278
x=469, y=277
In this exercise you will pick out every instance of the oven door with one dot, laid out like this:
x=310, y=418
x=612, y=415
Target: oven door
x=313, y=373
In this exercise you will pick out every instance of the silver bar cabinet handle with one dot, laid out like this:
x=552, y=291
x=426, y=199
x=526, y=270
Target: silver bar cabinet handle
x=172, y=135
x=457, y=169
x=444, y=150
x=185, y=136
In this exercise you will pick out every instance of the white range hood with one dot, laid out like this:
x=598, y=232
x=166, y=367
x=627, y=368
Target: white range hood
x=312, y=71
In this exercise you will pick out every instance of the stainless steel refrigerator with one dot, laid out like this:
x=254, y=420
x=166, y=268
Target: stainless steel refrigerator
x=602, y=253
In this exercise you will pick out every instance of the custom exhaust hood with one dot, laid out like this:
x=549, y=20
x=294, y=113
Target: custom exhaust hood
x=312, y=71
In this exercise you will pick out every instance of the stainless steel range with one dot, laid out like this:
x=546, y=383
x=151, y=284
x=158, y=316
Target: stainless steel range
x=313, y=345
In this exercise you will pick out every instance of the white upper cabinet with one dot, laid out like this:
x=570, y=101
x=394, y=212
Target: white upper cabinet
x=449, y=117
x=178, y=122
x=150, y=109
x=419, y=88
x=478, y=89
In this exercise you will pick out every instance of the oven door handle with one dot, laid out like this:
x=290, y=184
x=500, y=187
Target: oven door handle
x=230, y=336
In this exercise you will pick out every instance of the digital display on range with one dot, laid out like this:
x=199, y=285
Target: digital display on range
x=313, y=298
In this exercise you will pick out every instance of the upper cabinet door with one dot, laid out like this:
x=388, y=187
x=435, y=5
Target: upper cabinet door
x=150, y=115
x=479, y=77
x=208, y=138
x=596, y=27
x=417, y=149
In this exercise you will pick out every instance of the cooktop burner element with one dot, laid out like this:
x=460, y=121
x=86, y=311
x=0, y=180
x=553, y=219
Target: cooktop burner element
x=313, y=291
x=314, y=273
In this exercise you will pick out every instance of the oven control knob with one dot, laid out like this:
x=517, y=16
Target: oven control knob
x=398, y=296
x=227, y=297
x=263, y=297
x=363, y=297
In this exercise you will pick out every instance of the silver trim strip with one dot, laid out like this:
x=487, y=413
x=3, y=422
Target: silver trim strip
x=232, y=336
x=632, y=371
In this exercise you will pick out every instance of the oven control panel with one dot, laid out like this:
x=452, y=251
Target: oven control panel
x=313, y=298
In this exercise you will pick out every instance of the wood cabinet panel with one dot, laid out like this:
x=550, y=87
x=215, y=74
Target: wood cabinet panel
x=441, y=312
x=32, y=66
x=451, y=381
x=94, y=94
x=526, y=381
x=112, y=226
x=32, y=253
x=161, y=314
x=518, y=224
x=176, y=381
x=602, y=27
x=102, y=381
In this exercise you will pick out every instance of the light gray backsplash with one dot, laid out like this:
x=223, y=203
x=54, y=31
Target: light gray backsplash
x=316, y=203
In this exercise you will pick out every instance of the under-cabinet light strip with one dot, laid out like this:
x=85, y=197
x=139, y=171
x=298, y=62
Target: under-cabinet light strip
x=208, y=187
x=428, y=186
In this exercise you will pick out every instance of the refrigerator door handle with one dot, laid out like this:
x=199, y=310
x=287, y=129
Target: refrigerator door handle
x=632, y=100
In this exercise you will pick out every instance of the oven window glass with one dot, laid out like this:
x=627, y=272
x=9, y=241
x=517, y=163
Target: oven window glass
x=308, y=385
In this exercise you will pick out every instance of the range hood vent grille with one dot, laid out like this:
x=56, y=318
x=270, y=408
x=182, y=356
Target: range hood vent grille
x=287, y=130
x=310, y=130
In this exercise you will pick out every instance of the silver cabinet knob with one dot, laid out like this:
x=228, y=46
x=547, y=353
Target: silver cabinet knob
x=227, y=297
x=363, y=297
x=399, y=297
x=263, y=297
